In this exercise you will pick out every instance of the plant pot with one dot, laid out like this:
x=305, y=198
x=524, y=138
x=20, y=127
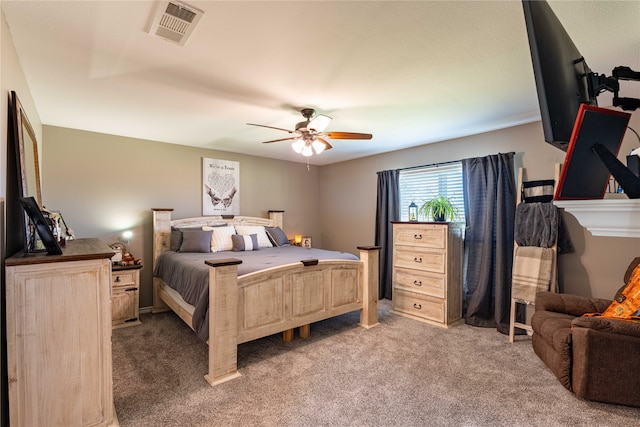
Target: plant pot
x=439, y=218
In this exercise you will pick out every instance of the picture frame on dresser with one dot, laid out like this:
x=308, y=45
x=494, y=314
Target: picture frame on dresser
x=40, y=226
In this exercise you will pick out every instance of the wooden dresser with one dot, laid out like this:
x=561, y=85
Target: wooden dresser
x=427, y=271
x=59, y=337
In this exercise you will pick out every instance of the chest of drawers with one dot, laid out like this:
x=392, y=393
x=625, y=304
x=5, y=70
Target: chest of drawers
x=427, y=272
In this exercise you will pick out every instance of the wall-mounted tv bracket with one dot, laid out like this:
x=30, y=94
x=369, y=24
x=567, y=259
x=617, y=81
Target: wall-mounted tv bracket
x=599, y=83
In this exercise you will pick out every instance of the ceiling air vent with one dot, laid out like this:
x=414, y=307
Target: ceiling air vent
x=175, y=21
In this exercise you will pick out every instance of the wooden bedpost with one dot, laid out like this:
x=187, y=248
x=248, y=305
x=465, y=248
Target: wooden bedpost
x=369, y=314
x=223, y=320
x=162, y=232
x=161, y=243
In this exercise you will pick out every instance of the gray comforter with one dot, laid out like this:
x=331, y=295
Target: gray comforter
x=189, y=275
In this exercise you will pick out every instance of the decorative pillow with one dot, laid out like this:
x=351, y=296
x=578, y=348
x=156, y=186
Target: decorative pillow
x=626, y=304
x=246, y=230
x=277, y=236
x=221, y=239
x=196, y=240
x=176, y=236
x=245, y=243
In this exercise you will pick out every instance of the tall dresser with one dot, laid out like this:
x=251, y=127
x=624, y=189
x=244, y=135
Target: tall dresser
x=59, y=337
x=427, y=271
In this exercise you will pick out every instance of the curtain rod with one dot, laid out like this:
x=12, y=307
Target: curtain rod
x=444, y=163
x=432, y=164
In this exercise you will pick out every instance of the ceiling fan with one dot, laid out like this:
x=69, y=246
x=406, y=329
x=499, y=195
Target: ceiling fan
x=309, y=135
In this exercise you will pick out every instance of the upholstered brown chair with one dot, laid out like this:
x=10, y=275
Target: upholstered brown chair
x=597, y=358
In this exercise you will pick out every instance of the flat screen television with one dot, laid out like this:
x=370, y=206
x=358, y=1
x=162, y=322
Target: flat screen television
x=560, y=72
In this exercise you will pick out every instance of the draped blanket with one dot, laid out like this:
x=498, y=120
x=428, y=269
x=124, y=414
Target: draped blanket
x=532, y=268
x=536, y=224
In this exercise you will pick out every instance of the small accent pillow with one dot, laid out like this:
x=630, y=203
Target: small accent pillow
x=176, y=237
x=195, y=240
x=246, y=230
x=221, y=239
x=245, y=243
x=626, y=304
x=277, y=236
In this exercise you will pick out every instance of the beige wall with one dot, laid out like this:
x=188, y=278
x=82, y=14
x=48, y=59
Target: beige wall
x=348, y=194
x=104, y=184
x=11, y=78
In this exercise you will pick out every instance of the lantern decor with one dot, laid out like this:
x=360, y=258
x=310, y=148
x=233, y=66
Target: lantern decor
x=413, y=212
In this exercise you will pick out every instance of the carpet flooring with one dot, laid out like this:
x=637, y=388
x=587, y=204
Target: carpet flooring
x=400, y=373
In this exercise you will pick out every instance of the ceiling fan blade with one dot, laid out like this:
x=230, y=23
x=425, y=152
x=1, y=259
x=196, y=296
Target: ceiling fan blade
x=270, y=127
x=281, y=139
x=319, y=123
x=348, y=135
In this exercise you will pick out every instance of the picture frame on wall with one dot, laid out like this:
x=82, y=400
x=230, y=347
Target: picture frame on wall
x=220, y=187
x=306, y=242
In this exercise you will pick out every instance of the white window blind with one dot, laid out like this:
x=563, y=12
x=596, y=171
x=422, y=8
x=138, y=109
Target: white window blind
x=424, y=183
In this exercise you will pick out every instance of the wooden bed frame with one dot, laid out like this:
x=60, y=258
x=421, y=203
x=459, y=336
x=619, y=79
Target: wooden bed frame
x=255, y=305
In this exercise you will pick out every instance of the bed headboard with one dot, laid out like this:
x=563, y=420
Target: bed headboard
x=162, y=224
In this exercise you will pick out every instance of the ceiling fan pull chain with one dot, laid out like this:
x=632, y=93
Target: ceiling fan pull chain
x=307, y=164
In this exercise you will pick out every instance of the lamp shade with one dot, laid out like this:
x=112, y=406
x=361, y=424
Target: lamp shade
x=297, y=145
x=306, y=150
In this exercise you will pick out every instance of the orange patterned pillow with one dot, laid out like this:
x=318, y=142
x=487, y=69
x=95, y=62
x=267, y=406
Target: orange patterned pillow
x=627, y=302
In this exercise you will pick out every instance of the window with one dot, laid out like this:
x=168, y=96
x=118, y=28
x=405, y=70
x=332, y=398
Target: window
x=424, y=183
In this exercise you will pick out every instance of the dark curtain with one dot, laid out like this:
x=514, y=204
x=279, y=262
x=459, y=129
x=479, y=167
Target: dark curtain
x=490, y=202
x=387, y=210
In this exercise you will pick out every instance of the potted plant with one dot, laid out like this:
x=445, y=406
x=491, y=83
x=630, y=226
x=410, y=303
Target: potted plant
x=439, y=208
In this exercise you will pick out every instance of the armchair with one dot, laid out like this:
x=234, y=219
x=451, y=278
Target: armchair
x=597, y=358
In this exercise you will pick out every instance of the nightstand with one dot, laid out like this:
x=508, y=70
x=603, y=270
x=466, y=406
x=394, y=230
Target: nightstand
x=125, y=295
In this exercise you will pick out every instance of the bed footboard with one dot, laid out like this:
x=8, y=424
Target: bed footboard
x=271, y=301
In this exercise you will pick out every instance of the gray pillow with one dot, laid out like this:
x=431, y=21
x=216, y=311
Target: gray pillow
x=176, y=235
x=277, y=236
x=245, y=243
x=195, y=240
x=176, y=239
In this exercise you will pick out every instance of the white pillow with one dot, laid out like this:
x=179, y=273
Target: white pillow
x=221, y=238
x=247, y=230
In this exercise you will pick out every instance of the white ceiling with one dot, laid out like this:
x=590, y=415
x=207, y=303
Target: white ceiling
x=410, y=73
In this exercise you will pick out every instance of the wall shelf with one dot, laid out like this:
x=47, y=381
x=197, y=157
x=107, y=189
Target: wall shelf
x=606, y=217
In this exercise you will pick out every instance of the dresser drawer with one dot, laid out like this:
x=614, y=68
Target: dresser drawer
x=420, y=259
x=421, y=235
x=122, y=278
x=419, y=305
x=420, y=282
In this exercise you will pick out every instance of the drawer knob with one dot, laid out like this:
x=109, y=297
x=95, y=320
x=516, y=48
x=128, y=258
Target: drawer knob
x=418, y=306
x=417, y=236
x=117, y=279
x=416, y=259
x=417, y=282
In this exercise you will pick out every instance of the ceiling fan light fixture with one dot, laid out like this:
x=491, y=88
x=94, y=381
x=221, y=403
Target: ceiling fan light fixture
x=318, y=146
x=307, y=151
x=297, y=145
